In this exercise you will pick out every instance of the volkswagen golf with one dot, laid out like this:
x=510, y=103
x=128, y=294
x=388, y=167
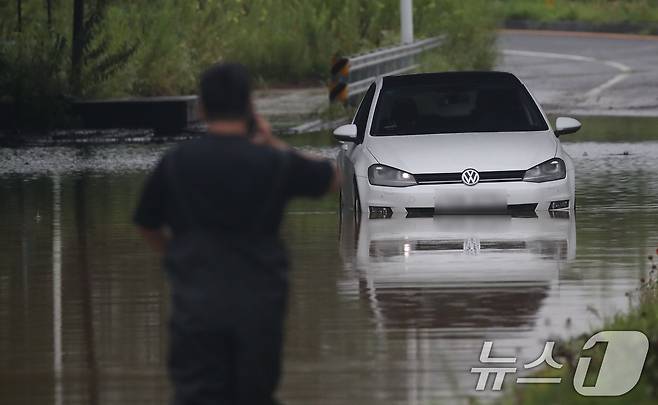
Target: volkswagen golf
x=425, y=144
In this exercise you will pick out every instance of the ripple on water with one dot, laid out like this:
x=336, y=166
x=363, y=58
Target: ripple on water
x=389, y=311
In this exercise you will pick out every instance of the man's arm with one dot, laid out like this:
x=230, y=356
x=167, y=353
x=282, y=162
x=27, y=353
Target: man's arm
x=149, y=214
x=264, y=136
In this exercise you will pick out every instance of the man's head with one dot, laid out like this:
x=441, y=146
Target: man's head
x=225, y=92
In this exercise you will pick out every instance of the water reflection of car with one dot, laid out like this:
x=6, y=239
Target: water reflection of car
x=450, y=271
x=454, y=142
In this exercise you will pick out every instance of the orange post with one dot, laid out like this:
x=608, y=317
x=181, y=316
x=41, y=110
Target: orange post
x=340, y=73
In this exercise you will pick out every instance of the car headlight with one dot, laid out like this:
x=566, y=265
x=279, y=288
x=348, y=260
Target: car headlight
x=380, y=175
x=553, y=169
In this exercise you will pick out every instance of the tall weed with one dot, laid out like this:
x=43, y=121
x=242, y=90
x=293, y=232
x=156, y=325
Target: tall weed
x=159, y=47
x=33, y=78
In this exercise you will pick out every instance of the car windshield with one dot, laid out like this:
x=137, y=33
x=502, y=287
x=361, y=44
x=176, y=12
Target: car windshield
x=455, y=103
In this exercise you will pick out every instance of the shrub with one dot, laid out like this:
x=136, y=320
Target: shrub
x=32, y=77
x=159, y=47
x=470, y=33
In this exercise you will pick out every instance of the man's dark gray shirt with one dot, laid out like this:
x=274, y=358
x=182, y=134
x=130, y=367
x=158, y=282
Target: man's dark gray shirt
x=224, y=197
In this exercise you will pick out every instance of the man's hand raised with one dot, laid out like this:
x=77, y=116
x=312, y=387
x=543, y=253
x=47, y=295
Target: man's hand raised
x=263, y=134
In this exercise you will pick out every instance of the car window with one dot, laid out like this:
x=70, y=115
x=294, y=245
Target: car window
x=361, y=117
x=455, y=104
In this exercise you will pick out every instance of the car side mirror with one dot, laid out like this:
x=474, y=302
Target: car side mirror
x=346, y=133
x=566, y=125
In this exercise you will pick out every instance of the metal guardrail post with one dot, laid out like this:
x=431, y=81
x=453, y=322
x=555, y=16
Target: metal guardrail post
x=365, y=68
x=340, y=72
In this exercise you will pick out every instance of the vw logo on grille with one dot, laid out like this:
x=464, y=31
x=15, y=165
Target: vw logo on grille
x=472, y=246
x=470, y=177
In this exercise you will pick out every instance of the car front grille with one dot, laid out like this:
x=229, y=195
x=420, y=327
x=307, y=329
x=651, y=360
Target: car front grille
x=485, y=177
x=546, y=248
x=514, y=210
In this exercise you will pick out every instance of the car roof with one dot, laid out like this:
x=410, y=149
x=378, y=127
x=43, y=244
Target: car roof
x=474, y=77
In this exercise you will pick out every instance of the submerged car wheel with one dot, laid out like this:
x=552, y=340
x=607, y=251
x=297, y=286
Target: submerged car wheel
x=357, y=199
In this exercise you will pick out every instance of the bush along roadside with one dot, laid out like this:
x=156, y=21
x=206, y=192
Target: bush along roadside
x=642, y=317
x=628, y=16
x=100, y=49
x=470, y=30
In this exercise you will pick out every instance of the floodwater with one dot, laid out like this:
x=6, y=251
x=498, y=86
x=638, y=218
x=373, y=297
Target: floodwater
x=381, y=311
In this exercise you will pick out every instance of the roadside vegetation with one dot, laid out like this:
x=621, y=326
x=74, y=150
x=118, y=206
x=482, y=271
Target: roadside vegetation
x=470, y=33
x=641, y=15
x=643, y=316
x=613, y=129
x=52, y=51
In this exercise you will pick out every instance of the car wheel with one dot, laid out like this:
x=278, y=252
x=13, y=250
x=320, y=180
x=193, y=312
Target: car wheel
x=357, y=200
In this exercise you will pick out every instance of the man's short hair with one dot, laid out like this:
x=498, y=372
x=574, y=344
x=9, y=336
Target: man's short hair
x=225, y=91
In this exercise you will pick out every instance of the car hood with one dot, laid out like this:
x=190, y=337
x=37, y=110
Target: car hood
x=453, y=153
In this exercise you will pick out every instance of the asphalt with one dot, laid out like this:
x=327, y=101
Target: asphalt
x=585, y=73
x=577, y=73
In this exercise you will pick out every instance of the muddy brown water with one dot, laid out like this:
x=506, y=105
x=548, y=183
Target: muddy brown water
x=381, y=311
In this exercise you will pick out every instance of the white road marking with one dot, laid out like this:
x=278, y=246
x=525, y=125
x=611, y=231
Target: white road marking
x=594, y=93
x=549, y=55
x=618, y=66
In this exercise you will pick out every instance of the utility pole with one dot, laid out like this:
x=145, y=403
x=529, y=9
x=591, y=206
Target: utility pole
x=406, y=22
x=19, y=14
x=49, y=10
x=77, y=45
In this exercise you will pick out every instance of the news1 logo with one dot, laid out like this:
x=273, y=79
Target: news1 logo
x=621, y=367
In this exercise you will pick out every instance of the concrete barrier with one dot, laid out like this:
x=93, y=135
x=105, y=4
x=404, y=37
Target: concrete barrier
x=170, y=115
x=7, y=116
x=622, y=27
x=163, y=114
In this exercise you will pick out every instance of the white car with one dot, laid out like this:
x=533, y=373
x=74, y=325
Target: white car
x=451, y=143
x=465, y=250
x=493, y=271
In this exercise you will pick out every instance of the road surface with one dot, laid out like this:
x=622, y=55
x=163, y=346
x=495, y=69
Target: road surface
x=569, y=72
x=585, y=73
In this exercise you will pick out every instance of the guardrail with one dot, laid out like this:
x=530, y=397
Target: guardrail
x=365, y=68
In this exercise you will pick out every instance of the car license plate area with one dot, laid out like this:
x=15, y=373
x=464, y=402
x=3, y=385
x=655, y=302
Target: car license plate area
x=470, y=201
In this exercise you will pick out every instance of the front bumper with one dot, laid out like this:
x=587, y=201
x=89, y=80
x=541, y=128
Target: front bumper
x=424, y=196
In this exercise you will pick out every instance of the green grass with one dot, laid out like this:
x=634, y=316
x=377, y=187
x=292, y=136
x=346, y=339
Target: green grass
x=643, y=316
x=470, y=30
x=321, y=139
x=282, y=42
x=592, y=11
x=613, y=129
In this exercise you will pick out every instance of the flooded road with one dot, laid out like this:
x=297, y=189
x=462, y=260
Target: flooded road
x=381, y=312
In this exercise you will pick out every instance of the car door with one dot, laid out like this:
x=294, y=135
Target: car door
x=350, y=151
